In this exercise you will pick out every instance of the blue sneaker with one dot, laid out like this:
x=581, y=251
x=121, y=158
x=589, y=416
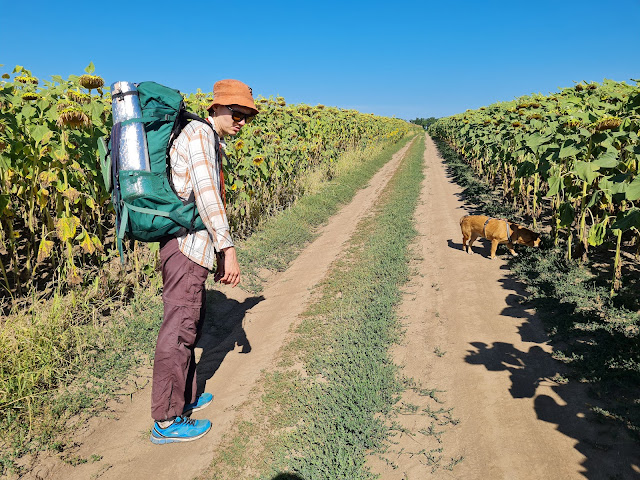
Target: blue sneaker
x=201, y=402
x=183, y=429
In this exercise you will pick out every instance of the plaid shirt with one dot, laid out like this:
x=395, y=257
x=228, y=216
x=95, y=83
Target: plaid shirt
x=196, y=167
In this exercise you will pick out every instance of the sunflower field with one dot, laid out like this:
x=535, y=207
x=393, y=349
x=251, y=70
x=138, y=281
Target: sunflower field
x=568, y=161
x=56, y=220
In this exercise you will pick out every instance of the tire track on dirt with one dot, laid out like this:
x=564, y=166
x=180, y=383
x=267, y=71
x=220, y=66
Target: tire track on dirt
x=469, y=336
x=258, y=329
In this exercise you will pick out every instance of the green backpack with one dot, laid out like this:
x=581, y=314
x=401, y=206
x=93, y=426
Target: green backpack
x=146, y=205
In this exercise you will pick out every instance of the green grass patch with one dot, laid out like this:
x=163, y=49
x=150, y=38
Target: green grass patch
x=64, y=361
x=596, y=334
x=329, y=403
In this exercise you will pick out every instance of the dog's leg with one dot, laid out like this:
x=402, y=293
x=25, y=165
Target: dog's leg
x=494, y=248
x=471, y=240
x=464, y=242
x=510, y=246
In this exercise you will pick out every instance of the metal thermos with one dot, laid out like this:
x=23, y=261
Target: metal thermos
x=125, y=105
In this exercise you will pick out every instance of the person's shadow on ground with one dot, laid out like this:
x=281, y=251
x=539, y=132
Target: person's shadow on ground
x=221, y=333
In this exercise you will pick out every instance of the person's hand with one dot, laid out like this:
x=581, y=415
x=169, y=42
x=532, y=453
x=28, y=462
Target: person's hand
x=228, y=269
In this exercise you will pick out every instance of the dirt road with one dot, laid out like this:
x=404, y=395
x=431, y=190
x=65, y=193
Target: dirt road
x=467, y=336
x=470, y=337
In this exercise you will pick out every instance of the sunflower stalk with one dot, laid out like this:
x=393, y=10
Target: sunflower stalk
x=13, y=254
x=6, y=285
x=617, y=265
x=555, y=226
x=582, y=233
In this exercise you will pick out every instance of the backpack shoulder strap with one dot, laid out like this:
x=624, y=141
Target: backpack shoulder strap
x=185, y=117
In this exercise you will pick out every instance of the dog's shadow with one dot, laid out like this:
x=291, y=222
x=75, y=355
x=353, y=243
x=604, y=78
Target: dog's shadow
x=481, y=246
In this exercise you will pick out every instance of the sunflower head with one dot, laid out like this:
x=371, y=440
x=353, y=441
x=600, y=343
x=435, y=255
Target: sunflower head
x=607, y=123
x=73, y=117
x=31, y=96
x=573, y=123
x=63, y=104
x=27, y=79
x=79, y=97
x=258, y=160
x=71, y=194
x=91, y=81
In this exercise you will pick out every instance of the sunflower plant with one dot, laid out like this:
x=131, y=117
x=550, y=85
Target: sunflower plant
x=575, y=152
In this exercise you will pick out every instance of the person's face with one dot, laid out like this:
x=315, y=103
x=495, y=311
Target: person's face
x=225, y=118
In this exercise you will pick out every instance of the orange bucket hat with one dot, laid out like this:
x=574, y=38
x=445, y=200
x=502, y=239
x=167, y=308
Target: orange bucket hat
x=232, y=92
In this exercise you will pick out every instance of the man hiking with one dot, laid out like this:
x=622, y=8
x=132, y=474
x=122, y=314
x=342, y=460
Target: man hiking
x=196, y=171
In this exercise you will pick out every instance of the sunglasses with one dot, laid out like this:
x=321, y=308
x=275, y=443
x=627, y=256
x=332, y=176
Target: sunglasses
x=238, y=116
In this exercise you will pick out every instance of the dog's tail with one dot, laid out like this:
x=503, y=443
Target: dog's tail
x=463, y=217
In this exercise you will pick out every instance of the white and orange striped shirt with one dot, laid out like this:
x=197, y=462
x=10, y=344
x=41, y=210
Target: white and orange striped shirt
x=195, y=167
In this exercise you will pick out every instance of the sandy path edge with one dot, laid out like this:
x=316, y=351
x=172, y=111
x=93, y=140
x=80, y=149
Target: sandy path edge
x=232, y=366
x=469, y=335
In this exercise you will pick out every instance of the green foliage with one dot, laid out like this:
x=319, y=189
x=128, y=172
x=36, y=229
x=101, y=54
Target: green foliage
x=56, y=221
x=52, y=204
x=573, y=154
x=424, y=122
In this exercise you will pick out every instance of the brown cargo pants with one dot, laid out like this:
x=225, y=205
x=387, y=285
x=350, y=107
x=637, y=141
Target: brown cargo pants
x=174, y=366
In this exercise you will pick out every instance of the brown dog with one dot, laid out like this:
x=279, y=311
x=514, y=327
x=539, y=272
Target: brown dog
x=497, y=231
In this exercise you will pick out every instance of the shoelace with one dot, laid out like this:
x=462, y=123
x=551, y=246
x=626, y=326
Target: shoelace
x=185, y=420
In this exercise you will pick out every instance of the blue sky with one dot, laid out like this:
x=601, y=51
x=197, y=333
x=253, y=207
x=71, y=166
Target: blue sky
x=406, y=58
